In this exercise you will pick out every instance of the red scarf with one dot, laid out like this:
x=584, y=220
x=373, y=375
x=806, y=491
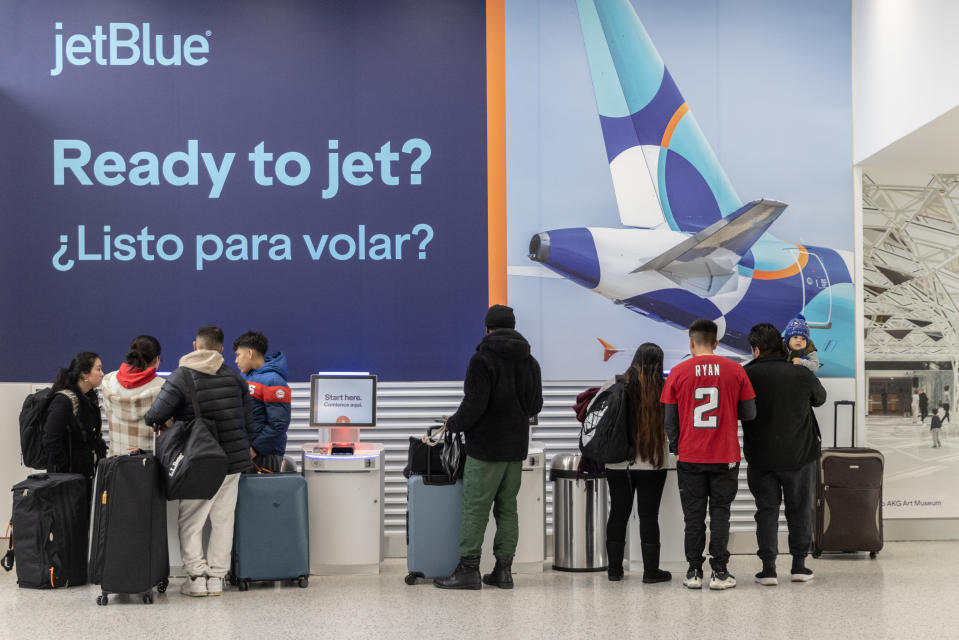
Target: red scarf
x=131, y=378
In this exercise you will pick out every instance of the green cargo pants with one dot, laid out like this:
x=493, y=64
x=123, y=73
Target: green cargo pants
x=487, y=484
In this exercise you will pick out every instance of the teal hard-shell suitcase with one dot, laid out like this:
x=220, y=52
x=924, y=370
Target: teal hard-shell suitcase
x=271, y=533
x=433, y=513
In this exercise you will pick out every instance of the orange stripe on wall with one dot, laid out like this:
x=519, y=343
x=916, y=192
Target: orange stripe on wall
x=680, y=112
x=789, y=271
x=496, y=148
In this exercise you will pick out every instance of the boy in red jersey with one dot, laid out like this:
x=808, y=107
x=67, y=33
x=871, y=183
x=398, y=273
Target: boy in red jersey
x=705, y=396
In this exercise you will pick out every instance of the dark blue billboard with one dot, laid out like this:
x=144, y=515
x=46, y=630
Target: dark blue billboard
x=315, y=171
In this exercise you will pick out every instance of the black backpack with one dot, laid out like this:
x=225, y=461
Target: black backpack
x=604, y=436
x=33, y=413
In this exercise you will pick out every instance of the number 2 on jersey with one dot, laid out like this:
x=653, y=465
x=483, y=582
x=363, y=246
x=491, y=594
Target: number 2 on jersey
x=700, y=419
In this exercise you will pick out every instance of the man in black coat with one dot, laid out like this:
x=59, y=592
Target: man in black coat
x=782, y=447
x=223, y=397
x=503, y=390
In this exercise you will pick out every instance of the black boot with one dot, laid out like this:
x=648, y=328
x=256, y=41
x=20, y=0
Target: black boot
x=502, y=575
x=651, y=570
x=465, y=576
x=614, y=555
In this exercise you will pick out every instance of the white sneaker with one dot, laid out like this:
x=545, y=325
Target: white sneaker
x=214, y=586
x=694, y=578
x=801, y=574
x=194, y=586
x=722, y=580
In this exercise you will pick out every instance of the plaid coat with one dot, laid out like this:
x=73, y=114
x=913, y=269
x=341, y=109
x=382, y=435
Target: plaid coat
x=124, y=410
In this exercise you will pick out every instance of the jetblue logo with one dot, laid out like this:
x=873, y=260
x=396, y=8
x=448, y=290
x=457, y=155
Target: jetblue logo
x=122, y=44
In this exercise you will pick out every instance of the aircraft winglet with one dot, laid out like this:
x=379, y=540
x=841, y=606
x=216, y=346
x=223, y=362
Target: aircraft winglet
x=608, y=350
x=716, y=250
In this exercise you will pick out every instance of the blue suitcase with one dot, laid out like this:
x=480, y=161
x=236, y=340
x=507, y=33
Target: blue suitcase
x=433, y=513
x=271, y=533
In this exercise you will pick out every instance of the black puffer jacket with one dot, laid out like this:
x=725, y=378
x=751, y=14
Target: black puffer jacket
x=784, y=435
x=504, y=389
x=224, y=398
x=73, y=443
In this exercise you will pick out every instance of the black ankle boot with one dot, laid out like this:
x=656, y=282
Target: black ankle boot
x=614, y=555
x=651, y=571
x=465, y=576
x=502, y=575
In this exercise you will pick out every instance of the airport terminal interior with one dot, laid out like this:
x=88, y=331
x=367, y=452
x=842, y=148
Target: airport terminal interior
x=352, y=214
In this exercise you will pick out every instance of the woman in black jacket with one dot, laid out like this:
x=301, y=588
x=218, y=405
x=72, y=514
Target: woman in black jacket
x=72, y=436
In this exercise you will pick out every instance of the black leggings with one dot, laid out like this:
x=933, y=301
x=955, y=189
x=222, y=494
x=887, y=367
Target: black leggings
x=648, y=487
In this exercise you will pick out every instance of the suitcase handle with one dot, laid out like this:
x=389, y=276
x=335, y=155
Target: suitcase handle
x=835, y=422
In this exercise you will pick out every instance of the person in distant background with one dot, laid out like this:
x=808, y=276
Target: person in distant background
x=127, y=395
x=923, y=405
x=935, y=428
x=945, y=403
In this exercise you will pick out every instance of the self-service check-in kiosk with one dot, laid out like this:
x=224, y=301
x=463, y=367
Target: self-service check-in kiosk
x=344, y=477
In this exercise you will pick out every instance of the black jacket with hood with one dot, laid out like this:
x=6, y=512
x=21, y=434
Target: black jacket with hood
x=224, y=397
x=784, y=435
x=503, y=390
x=73, y=443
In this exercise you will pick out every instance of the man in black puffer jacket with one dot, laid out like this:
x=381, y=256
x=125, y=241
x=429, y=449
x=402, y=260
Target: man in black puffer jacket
x=503, y=390
x=782, y=446
x=224, y=397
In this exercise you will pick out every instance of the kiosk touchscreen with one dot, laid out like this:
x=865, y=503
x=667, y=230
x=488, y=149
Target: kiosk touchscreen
x=343, y=403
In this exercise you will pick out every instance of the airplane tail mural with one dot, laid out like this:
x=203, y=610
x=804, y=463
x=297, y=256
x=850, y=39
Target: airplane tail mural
x=689, y=247
x=663, y=169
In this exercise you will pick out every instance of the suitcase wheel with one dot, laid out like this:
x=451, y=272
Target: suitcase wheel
x=817, y=554
x=103, y=600
x=243, y=585
x=411, y=577
x=161, y=587
x=147, y=598
x=873, y=554
x=303, y=582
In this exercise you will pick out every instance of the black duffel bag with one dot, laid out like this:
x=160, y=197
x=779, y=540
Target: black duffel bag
x=194, y=464
x=439, y=458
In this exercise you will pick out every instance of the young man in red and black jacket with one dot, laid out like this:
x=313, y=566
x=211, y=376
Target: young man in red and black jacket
x=705, y=396
x=266, y=374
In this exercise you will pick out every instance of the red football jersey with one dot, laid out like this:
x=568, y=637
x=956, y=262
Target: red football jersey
x=707, y=391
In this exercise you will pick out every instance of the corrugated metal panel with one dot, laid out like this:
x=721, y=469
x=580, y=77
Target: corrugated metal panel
x=407, y=409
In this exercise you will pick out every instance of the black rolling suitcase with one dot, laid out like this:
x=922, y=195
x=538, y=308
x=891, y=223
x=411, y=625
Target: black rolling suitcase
x=848, y=503
x=49, y=531
x=128, y=540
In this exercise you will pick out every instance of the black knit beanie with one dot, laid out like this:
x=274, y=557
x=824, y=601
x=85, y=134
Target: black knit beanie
x=500, y=317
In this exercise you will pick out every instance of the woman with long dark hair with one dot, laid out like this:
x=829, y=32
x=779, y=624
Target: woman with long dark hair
x=644, y=476
x=128, y=394
x=71, y=431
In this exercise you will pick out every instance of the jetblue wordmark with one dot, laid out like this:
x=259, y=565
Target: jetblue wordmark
x=124, y=44
x=182, y=168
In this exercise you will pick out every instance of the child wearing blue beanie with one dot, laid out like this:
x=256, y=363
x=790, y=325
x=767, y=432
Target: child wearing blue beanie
x=800, y=349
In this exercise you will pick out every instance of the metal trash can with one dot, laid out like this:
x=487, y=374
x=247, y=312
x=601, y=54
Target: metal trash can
x=580, y=508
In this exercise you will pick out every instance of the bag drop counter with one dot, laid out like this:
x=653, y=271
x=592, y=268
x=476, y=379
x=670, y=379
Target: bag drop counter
x=531, y=505
x=346, y=509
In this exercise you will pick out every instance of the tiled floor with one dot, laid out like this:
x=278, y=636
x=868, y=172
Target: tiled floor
x=910, y=591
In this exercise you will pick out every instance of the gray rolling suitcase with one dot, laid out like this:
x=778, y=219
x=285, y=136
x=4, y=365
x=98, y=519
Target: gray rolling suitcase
x=433, y=513
x=271, y=533
x=848, y=503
